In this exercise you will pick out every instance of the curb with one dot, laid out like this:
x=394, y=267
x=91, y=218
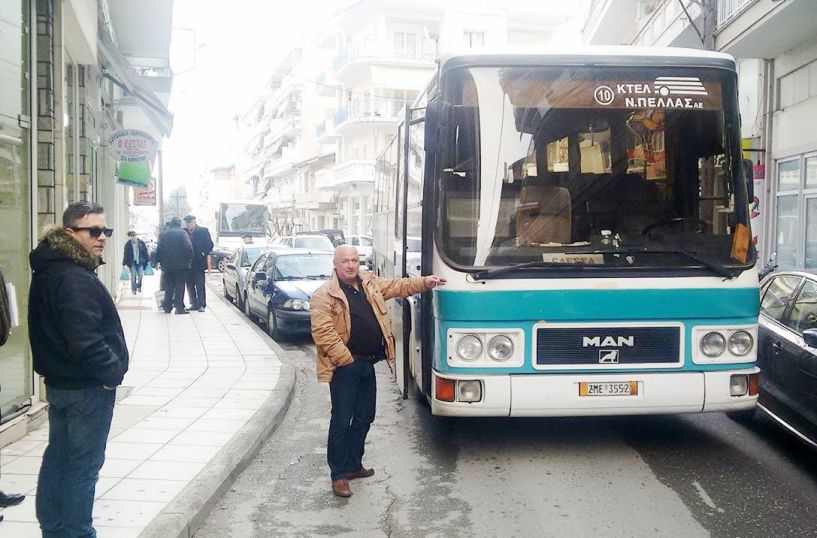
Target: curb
x=185, y=514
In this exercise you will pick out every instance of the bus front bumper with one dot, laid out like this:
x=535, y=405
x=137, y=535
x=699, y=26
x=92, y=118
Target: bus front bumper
x=557, y=395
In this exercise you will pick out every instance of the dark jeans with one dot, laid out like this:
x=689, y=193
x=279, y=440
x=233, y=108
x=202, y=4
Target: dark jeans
x=174, y=289
x=136, y=273
x=195, y=289
x=353, y=390
x=78, y=424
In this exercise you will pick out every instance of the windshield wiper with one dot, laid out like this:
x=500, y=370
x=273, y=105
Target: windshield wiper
x=715, y=267
x=491, y=273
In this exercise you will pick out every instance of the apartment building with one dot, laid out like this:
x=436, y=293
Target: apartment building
x=775, y=44
x=74, y=72
x=379, y=57
x=281, y=151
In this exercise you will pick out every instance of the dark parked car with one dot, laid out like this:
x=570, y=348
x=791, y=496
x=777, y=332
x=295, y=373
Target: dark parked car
x=787, y=350
x=219, y=257
x=280, y=285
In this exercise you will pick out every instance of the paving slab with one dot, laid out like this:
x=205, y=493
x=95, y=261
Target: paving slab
x=202, y=394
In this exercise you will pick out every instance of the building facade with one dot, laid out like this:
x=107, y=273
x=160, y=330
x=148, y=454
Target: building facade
x=369, y=62
x=775, y=45
x=72, y=73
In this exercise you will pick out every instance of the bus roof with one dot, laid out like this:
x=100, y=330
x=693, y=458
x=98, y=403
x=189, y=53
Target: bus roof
x=603, y=55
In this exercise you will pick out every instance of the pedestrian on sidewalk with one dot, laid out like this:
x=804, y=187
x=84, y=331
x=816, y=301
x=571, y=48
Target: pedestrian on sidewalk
x=136, y=260
x=202, y=246
x=350, y=337
x=175, y=254
x=79, y=348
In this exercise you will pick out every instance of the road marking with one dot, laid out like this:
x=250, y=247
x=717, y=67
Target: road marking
x=707, y=500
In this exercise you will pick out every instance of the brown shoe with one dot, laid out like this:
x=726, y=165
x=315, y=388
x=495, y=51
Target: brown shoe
x=360, y=473
x=340, y=487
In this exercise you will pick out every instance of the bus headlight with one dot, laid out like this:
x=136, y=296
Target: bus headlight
x=713, y=344
x=740, y=343
x=469, y=347
x=469, y=391
x=500, y=348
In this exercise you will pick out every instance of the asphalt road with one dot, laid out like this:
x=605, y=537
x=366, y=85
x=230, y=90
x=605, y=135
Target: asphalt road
x=685, y=475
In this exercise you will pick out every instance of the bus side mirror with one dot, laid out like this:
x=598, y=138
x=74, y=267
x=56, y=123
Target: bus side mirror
x=436, y=117
x=748, y=172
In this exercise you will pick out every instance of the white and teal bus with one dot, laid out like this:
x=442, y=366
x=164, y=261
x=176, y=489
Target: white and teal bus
x=589, y=210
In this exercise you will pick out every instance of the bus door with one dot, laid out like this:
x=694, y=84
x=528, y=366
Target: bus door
x=397, y=263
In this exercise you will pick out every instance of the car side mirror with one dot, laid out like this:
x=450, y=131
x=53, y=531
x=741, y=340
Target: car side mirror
x=810, y=337
x=230, y=266
x=260, y=275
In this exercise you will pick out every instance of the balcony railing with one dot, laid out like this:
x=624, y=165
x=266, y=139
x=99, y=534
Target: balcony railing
x=387, y=49
x=665, y=15
x=729, y=9
x=374, y=109
x=353, y=171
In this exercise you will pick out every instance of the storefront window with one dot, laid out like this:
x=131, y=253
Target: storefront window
x=787, y=232
x=788, y=175
x=811, y=173
x=811, y=233
x=15, y=196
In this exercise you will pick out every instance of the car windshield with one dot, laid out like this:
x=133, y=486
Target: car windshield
x=250, y=255
x=304, y=266
x=590, y=166
x=318, y=242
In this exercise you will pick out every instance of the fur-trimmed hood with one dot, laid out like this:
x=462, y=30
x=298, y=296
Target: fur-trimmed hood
x=57, y=245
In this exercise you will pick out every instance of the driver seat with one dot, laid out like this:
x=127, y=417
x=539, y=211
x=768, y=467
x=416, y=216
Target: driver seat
x=544, y=215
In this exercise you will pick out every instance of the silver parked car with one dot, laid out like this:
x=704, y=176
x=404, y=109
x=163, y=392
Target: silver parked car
x=235, y=271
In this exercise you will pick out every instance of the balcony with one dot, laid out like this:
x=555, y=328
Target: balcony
x=325, y=132
x=362, y=113
x=669, y=26
x=607, y=24
x=763, y=28
x=316, y=200
x=325, y=86
x=355, y=60
x=345, y=174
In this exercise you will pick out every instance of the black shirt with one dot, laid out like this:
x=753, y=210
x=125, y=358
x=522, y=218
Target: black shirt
x=365, y=335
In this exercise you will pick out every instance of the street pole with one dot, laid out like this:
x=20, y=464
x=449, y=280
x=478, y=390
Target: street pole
x=160, y=193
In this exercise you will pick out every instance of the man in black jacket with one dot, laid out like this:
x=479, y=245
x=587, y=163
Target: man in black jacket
x=79, y=348
x=174, y=254
x=202, y=245
x=136, y=259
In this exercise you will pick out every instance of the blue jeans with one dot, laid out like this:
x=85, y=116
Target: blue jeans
x=78, y=424
x=136, y=272
x=353, y=390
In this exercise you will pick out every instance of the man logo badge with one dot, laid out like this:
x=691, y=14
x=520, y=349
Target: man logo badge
x=608, y=356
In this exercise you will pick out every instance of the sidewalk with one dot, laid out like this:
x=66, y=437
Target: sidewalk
x=202, y=394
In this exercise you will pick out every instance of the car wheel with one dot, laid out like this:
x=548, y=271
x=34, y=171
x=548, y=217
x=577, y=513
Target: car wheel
x=222, y=264
x=238, y=302
x=247, y=309
x=226, y=293
x=272, y=326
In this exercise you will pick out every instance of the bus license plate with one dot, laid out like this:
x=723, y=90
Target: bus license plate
x=609, y=388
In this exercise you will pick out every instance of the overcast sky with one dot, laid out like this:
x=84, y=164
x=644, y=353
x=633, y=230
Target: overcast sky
x=222, y=53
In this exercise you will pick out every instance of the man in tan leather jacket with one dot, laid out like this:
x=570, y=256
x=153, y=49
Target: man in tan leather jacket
x=352, y=332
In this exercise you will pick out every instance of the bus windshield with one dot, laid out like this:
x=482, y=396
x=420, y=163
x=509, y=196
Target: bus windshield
x=238, y=219
x=598, y=166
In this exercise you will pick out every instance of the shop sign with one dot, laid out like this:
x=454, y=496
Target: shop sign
x=759, y=172
x=134, y=151
x=145, y=196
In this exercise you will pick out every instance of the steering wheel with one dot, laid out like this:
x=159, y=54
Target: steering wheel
x=678, y=221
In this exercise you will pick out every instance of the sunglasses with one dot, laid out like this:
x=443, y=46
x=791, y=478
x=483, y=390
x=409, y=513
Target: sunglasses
x=95, y=232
